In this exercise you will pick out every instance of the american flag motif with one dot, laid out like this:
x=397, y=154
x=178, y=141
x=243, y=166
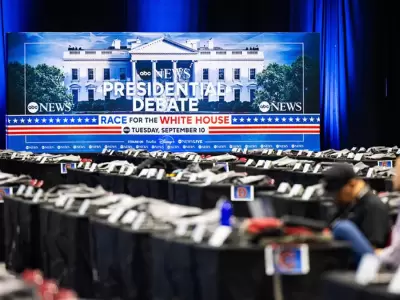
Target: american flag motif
x=57, y=125
x=270, y=124
x=90, y=125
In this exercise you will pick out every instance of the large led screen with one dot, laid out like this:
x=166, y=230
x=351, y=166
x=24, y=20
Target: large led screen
x=203, y=92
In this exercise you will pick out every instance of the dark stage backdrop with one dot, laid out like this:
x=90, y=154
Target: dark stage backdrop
x=360, y=93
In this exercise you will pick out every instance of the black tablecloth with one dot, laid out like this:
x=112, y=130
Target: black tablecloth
x=139, y=186
x=95, y=257
x=173, y=271
x=121, y=260
x=2, y=232
x=173, y=163
x=130, y=185
x=66, y=249
x=368, y=162
x=388, y=185
x=306, y=179
x=174, y=192
x=314, y=208
x=49, y=173
x=206, y=197
x=342, y=285
x=21, y=238
x=101, y=158
x=184, y=270
x=109, y=181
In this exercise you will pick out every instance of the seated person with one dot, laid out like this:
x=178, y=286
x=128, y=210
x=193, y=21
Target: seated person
x=391, y=254
x=348, y=231
x=359, y=210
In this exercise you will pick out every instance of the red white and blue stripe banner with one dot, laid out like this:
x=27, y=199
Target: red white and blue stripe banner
x=161, y=124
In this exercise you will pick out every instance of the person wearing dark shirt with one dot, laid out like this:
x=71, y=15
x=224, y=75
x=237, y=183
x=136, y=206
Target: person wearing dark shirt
x=358, y=210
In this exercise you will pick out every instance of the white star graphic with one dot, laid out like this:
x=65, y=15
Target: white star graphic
x=234, y=119
x=36, y=120
x=58, y=120
x=15, y=120
x=72, y=120
x=43, y=120
x=65, y=120
x=22, y=120
x=318, y=119
x=94, y=120
x=256, y=119
x=297, y=119
x=290, y=119
x=51, y=120
x=276, y=119
x=79, y=120
x=284, y=119
x=241, y=119
x=311, y=119
x=262, y=119
x=304, y=119
x=29, y=120
x=248, y=119
x=9, y=121
x=87, y=120
x=269, y=119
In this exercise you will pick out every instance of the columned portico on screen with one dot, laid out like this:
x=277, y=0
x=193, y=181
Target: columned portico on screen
x=153, y=76
x=133, y=64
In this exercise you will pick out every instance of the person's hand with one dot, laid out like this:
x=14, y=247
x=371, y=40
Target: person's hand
x=378, y=251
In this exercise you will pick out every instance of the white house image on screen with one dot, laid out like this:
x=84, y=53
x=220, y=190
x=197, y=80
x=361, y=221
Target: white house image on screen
x=235, y=69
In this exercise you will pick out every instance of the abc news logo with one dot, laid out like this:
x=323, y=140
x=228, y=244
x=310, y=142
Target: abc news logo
x=34, y=107
x=280, y=106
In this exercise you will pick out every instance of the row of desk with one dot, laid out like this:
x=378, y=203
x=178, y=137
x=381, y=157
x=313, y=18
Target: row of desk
x=101, y=260
x=52, y=176
x=109, y=261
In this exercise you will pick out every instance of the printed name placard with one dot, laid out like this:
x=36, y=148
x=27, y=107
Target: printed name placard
x=224, y=164
x=5, y=191
x=370, y=172
x=219, y=236
x=358, y=156
x=284, y=187
x=181, y=228
x=199, y=232
x=306, y=168
x=249, y=162
x=66, y=166
x=287, y=259
x=93, y=167
x=385, y=163
x=242, y=193
x=296, y=166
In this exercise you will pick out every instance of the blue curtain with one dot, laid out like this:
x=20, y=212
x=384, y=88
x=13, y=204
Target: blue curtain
x=163, y=15
x=344, y=44
x=14, y=17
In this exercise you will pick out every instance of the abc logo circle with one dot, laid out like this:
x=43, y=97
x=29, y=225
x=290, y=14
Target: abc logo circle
x=126, y=130
x=264, y=106
x=145, y=74
x=33, y=107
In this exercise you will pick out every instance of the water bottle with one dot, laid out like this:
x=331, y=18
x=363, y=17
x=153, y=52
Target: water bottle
x=226, y=213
